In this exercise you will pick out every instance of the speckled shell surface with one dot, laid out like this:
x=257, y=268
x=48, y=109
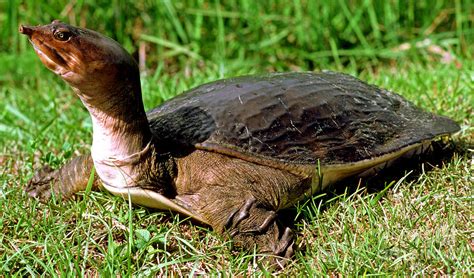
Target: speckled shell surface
x=294, y=118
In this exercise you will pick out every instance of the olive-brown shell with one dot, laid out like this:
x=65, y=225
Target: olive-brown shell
x=294, y=118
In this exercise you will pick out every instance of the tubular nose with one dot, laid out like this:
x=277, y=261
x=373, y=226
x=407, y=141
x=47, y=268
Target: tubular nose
x=26, y=30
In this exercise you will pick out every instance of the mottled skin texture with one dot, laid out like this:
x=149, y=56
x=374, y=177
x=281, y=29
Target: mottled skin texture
x=232, y=152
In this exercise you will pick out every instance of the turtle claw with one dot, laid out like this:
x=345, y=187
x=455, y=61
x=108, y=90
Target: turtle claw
x=252, y=224
x=237, y=215
x=285, y=246
x=271, y=216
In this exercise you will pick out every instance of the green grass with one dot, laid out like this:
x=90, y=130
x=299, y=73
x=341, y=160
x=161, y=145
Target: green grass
x=414, y=222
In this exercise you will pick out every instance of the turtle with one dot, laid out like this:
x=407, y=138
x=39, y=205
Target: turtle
x=231, y=153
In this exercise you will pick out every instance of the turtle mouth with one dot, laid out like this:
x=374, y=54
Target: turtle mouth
x=51, y=58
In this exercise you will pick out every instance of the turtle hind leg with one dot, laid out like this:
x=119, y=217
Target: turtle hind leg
x=63, y=182
x=262, y=228
x=250, y=224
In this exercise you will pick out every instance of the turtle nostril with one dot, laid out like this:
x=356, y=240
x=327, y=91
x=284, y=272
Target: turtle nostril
x=25, y=30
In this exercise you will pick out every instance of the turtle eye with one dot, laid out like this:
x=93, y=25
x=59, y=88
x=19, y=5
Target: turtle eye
x=62, y=35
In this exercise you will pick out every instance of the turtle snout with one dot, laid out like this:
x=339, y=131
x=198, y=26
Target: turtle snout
x=26, y=30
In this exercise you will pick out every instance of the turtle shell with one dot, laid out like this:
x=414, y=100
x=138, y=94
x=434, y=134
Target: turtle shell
x=294, y=118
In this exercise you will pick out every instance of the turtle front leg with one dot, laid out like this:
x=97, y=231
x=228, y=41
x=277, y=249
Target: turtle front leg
x=63, y=182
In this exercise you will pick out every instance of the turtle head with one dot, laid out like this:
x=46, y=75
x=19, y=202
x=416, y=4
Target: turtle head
x=85, y=59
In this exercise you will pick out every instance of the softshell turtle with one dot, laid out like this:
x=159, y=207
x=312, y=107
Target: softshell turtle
x=230, y=153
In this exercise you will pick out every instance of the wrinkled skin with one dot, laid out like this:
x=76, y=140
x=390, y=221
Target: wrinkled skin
x=231, y=153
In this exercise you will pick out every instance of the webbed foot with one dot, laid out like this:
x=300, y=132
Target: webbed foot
x=62, y=183
x=42, y=183
x=252, y=225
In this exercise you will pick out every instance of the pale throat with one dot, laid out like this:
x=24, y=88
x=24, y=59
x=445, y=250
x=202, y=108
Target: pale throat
x=117, y=145
x=108, y=141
